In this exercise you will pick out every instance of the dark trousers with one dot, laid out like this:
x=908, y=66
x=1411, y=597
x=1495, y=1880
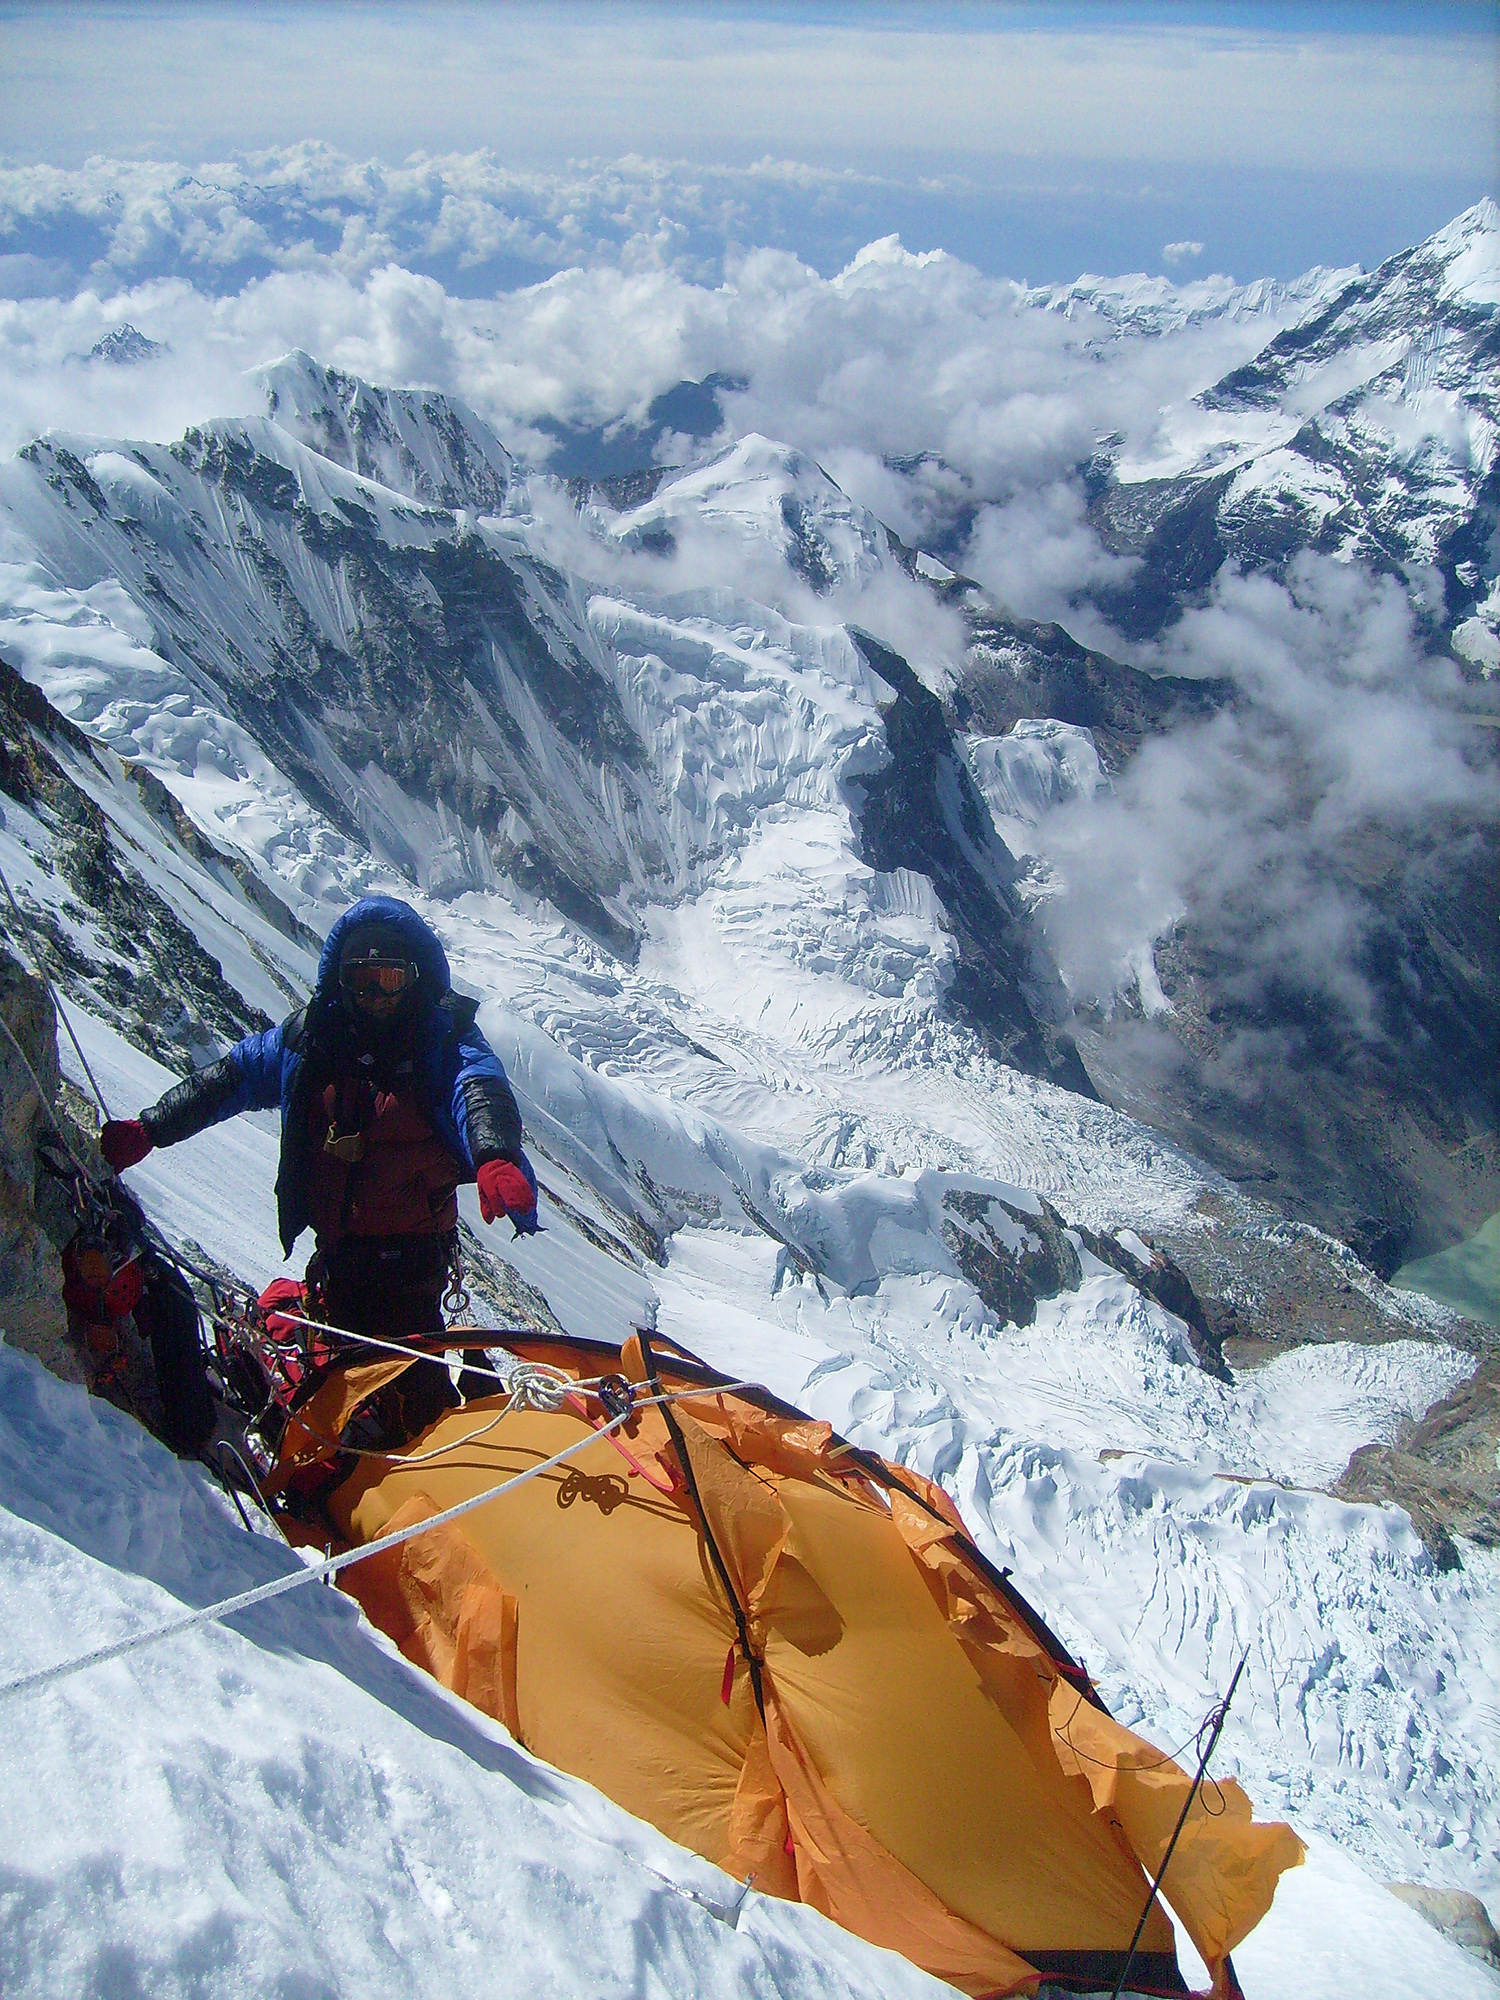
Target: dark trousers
x=392, y=1288
x=388, y=1286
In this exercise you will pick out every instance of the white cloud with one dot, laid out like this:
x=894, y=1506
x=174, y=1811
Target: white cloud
x=1344, y=764
x=1039, y=553
x=365, y=265
x=550, y=83
x=1178, y=253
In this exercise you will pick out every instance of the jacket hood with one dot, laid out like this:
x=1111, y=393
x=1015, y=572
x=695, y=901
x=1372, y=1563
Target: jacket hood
x=421, y=942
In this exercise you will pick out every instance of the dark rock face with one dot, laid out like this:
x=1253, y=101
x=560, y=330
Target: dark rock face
x=31, y=1307
x=1014, y=1259
x=1442, y=1468
x=168, y=995
x=1010, y=1257
x=1386, y=1138
x=1015, y=669
x=1172, y=528
x=807, y=552
x=922, y=812
x=1165, y=1281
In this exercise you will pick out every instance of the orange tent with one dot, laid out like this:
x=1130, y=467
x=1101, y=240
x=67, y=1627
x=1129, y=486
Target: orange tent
x=787, y=1654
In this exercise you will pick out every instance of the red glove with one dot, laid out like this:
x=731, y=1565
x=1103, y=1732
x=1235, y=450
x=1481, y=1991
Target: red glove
x=504, y=1190
x=123, y=1142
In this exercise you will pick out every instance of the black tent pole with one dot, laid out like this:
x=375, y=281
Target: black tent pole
x=1218, y=1719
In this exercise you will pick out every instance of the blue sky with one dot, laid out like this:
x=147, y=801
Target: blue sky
x=1035, y=142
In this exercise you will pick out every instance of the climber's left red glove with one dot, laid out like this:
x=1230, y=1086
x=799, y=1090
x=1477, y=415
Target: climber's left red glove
x=124, y=1142
x=505, y=1190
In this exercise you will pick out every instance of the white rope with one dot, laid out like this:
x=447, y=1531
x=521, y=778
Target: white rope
x=310, y=1573
x=533, y=1385
x=537, y=1385
x=416, y=1457
x=331, y=1565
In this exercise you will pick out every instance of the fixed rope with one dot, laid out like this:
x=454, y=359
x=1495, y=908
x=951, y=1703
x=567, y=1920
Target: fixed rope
x=213, y=1614
x=330, y=1566
x=533, y=1385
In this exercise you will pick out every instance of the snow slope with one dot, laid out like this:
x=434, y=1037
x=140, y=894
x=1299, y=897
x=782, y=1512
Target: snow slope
x=350, y=1838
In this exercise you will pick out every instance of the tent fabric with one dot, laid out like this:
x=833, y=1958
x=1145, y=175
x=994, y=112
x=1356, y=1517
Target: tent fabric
x=794, y=1661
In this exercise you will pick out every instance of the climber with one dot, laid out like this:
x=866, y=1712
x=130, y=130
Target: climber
x=389, y=1097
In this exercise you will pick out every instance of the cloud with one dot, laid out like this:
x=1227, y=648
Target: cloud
x=618, y=281
x=1177, y=253
x=1039, y=553
x=727, y=85
x=1345, y=764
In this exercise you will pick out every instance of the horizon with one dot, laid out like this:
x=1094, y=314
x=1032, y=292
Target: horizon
x=1036, y=144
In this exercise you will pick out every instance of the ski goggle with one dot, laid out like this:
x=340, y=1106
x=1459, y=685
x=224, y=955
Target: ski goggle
x=378, y=978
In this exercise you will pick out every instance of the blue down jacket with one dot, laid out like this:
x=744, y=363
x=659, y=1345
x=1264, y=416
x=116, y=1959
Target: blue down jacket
x=464, y=1090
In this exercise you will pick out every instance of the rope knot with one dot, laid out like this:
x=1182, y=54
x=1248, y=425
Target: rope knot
x=533, y=1385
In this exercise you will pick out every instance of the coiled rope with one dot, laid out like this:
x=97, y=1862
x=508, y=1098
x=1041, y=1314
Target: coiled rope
x=213, y=1614
x=533, y=1385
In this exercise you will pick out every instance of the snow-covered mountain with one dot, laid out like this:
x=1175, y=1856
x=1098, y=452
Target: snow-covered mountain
x=431, y=447
x=1139, y=304
x=746, y=898
x=1366, y=428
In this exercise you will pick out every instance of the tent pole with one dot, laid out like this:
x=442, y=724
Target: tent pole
x=1217, y=1719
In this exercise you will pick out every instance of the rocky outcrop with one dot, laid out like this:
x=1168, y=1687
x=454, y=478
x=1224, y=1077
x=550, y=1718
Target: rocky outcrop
x=32, y=1315
x=1461, y=1918
x=1164, y=1280
x=921, y=812
x=1011, y=1257
x=153, y=977
x=1442, y=1468
x=1015, y=1257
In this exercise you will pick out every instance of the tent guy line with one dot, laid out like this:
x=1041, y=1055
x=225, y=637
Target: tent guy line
x=214, y=1614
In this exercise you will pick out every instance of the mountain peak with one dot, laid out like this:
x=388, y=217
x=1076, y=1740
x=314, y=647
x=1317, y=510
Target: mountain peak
x=125, y=346
x=772, y=493
x=419, y=442
x=1469, y=249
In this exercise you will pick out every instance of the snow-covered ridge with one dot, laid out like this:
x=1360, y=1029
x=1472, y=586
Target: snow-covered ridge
x=766, y=493
x=1138, y=304
x=1373, y=414
x=429, y=446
